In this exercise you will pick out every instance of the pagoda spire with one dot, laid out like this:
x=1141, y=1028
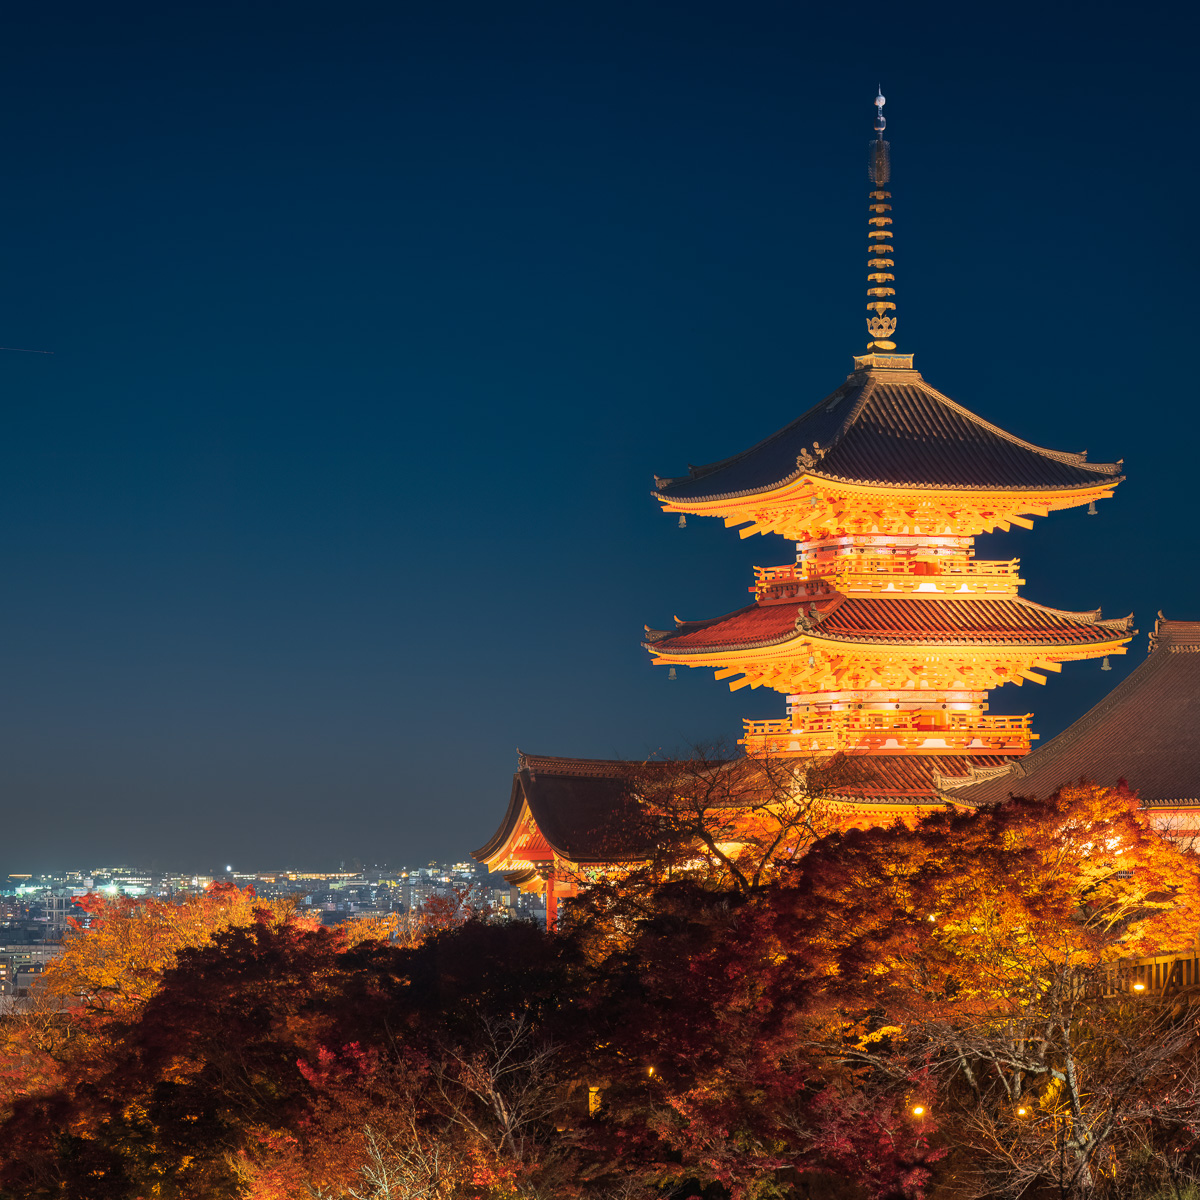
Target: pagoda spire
x=881, y=304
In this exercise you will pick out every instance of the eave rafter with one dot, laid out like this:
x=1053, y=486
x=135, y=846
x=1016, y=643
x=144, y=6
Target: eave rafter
x=525, y=848
x=811, y=508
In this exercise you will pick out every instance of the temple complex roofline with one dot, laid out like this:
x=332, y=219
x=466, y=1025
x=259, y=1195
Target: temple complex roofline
x=1142, y=732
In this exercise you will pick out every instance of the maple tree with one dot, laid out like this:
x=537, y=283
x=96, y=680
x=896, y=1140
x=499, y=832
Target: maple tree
x=735, y=822
x=271, y=1059
x=720, y=823
x=707, y=1068
x=986, y=947
x=116, y=961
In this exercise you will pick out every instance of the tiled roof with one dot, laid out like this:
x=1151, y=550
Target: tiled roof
x=891, y=428
x=755, y=625
x=911, y=777
x=583, y=807
x=585, y=810
x=876, y=619
x=1144, y=731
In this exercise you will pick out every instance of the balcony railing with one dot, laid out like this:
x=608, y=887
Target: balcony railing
x=908, y=729
x=850, y=573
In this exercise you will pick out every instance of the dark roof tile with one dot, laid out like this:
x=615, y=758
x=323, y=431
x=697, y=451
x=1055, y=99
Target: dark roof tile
x=1144, y=731
x=896, y=430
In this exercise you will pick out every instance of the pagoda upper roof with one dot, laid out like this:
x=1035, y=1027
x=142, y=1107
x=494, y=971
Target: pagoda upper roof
x=1000, y=621
x=1143, y=732
x=888, y=427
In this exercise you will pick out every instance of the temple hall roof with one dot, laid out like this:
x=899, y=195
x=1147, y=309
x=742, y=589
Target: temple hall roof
x=1144, y=731
x=914, y=778
x=583, y=807
x=1000, y=621
x=890, y=428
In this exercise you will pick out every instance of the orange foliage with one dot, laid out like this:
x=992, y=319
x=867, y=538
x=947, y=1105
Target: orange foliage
x=987, y=906
x=116, y=963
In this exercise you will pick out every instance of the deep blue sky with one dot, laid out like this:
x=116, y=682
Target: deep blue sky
x=371, y=323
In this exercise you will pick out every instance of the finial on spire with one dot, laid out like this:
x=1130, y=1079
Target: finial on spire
x=881, y=321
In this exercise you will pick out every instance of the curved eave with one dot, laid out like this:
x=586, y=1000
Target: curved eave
x=508, y=825
x=865, y=390
x=729, y=656
x=1119, y=630
x=1120, y=638
x=789, y=488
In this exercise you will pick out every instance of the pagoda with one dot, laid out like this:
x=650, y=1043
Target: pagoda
x=886, y=633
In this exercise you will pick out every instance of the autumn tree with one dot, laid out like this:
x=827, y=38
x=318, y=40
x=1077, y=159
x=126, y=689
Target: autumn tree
x=271, y=1060
x=706, y=1066
x=724, y=823
x=735, y=821
x=115, y=961
x=984, y=947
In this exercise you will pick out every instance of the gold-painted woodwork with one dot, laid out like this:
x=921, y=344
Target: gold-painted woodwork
x=945, y=577
x=929, y=731
x=837, y=664
x=812, y=508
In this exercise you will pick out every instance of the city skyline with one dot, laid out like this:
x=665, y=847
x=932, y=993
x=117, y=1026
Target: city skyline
x=369, y=331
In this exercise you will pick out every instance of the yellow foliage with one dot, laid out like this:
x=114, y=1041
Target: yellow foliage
x=117, y=962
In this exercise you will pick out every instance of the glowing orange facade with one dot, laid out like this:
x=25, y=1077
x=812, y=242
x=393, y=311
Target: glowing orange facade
x=886, y=633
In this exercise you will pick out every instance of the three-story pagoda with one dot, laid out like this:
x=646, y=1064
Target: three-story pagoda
x=886, y=633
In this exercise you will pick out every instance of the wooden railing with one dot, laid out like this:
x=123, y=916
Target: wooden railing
x=873, y=572
x=1147, y=976
x=873, y=729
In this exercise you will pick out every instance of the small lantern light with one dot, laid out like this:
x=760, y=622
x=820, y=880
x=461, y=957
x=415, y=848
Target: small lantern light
x=918, y=1110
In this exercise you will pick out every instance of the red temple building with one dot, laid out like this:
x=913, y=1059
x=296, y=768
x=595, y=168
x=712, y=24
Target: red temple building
x=882, y=630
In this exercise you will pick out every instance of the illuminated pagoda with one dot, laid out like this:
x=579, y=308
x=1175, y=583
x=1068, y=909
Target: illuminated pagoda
x=886, y=633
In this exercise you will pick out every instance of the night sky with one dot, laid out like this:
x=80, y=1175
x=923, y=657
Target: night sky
x=371, y=322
